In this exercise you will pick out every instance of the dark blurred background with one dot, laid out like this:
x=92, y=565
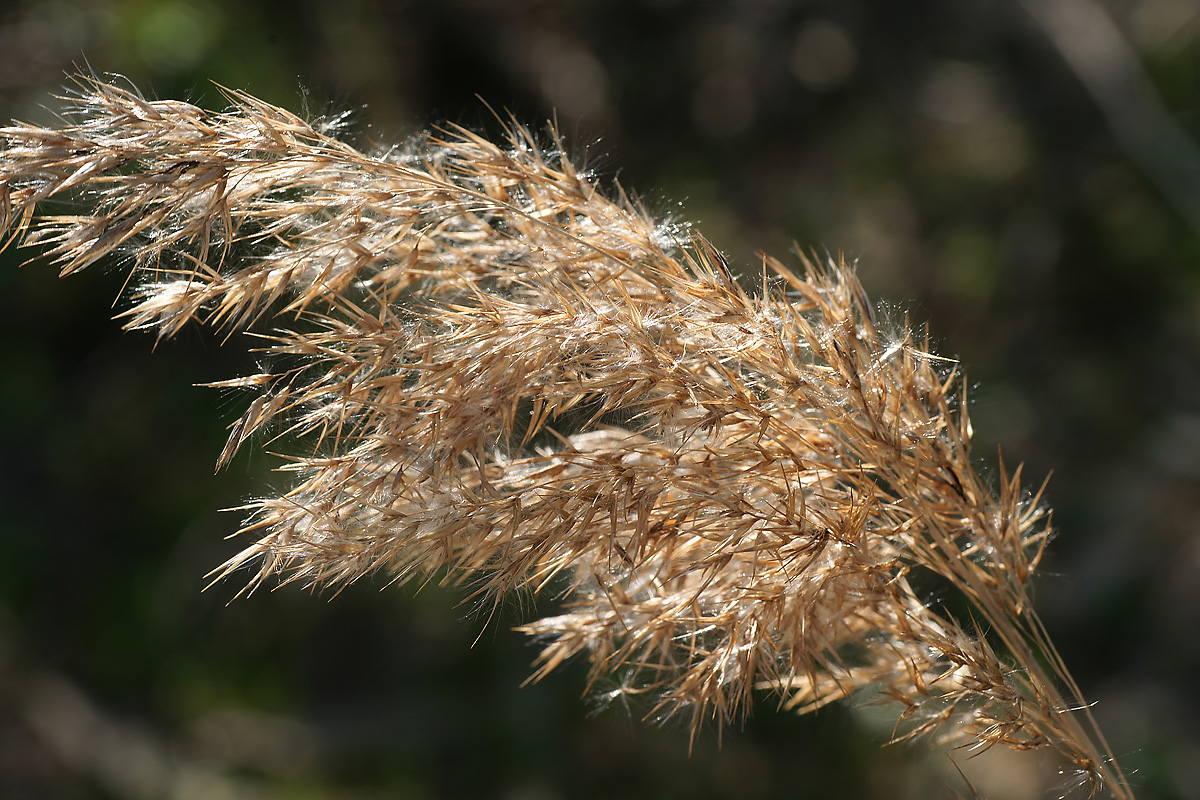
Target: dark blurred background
x=1019, y=174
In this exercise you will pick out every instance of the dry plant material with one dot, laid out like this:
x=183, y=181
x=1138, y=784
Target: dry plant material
x=499, y=374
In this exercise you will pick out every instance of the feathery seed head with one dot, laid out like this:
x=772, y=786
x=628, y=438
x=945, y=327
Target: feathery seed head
x=502, y=373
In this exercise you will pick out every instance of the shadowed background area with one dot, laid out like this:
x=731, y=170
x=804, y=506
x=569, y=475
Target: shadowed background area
x=1021, y=176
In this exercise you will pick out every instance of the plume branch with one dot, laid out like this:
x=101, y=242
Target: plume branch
x=499, y=373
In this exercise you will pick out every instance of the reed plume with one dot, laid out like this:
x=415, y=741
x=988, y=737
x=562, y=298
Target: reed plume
x=497, y=373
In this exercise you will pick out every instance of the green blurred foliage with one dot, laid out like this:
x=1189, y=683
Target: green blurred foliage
x=943, y=143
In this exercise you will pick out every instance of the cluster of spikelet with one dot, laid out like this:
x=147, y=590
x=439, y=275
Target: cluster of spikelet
x=497, y=373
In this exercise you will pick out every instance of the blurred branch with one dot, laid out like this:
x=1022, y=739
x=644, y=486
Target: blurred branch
x=1097, y=52
x=123, y=756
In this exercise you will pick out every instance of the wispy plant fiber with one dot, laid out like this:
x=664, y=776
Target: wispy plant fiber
x=498, y=373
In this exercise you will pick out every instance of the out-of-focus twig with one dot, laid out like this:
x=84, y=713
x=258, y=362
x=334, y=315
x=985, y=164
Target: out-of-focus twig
x=1096, y=51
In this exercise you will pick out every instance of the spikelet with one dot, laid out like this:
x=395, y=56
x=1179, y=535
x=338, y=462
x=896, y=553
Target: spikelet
x=500, y=374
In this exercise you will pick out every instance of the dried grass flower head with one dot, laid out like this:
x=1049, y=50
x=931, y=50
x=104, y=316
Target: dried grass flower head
x=501, y=374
